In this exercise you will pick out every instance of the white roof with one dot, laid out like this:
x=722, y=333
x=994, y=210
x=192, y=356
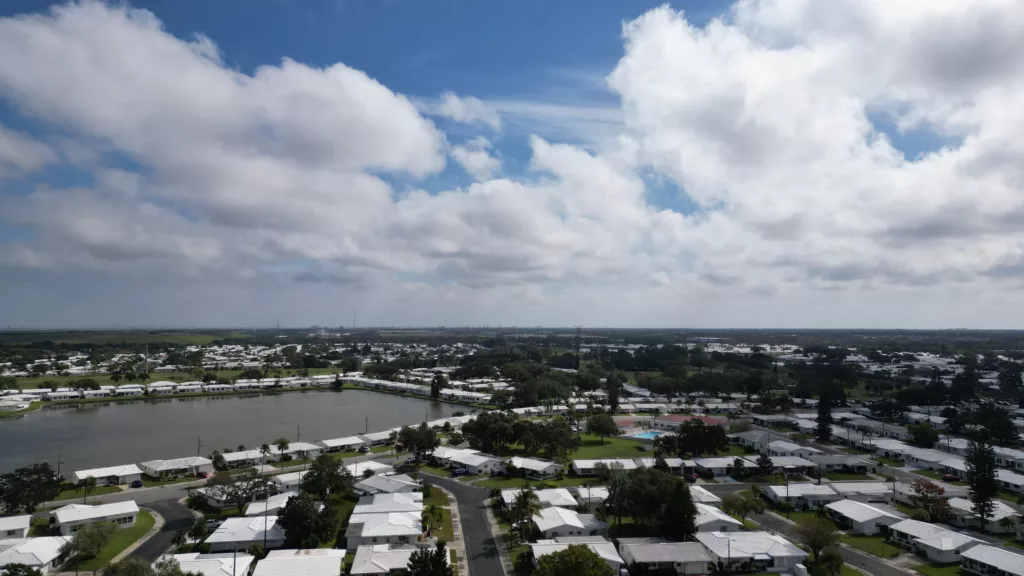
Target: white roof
x=554, y=517
x=748, y=544
x=656, y=550
x=534, y=464
x=123, y=470
x=797, y=490
x=846, y=488
x=612, y=463
x=720, y=462
x=394, y=483
x=707, y=514
x=389, y=524
x=177, y=463
x=381, y=559
x=83, y=512
x=859, y=511
x=357, y=469
x=445, y=452
x=316, y=562
x=247, y=530
x=471, y=459
x=997, y=557
x=226, y=564
x=783, y=446
x=31, y=551
x=289, y=479
x=701, y=495
x=15, y=523
x=383, y=503
x=933, y=536
x=547, y=497
x=606, y=550
x=346, y=441
x=586, y=493
x=270, y=505
x=375, y=436
x=1000, y=509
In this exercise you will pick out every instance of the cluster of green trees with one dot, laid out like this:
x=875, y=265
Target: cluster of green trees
x=694, y=438
x=658, y=499
x=420, y=440
x=24, y=489
x=137, y=567
x=494, y=432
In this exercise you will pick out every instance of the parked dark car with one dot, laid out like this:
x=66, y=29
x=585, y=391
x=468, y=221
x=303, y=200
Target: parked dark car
x=460, y=472
x=364, y=449
x=136, y=484
x=497, y=473
x=691, y=478
x=949, y=478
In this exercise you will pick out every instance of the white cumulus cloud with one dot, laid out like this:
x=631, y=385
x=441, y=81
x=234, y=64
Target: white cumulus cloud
x=468, y=110
x=475, y=157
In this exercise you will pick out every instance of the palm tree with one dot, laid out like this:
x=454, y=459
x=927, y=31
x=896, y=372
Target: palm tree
x=264, y=451
x=179, y=539
x=1007, y=522
x=87, y=485
x=198, y=531
x=525, y=506
x=432, y=516
x=832, y=560
x=282, y=444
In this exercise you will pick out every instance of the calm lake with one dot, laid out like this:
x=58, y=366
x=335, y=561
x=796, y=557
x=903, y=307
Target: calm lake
x=94, y=435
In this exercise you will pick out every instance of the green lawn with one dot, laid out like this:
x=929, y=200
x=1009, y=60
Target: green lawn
x=445, y=531
x=291, y=463
x=848, y=571
x=70, y=492
x=592, y=448
x=379, y=449
x=874, y=545
x=751, y=525
x=454, y=559
x=118, y=542
x=150, y=482
x=857, y=451
x=938, y=569
x=842, y=476
x=907, y=509
x=39, y=527
x=504, y=482
x=32, y=407
x=232, y=472
x=888, y=461
x=436, y=498
x=801, y=517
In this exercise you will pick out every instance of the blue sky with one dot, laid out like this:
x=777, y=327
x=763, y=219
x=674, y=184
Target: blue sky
x=484, y=171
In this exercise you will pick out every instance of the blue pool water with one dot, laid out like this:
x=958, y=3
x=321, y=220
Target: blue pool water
x=648, y=435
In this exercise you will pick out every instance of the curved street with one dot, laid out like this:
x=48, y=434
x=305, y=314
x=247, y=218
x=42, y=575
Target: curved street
x=481, y=549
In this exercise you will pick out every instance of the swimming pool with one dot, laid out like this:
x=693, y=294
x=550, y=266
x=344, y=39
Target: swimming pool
x=647, y=435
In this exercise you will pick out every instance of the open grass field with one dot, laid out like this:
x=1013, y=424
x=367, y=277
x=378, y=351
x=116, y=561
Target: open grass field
x=874, y=545
x=888, y=462
x=119, y=541
x=69, y=491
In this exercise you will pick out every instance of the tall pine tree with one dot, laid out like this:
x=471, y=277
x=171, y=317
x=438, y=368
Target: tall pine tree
x=823, y=433
x=981, y=478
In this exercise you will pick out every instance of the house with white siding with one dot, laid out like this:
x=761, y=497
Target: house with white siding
x=986, y=560
x=240, y=533
x=751, y=551
x=15, y=526
x=861, y=518
x=661, y=556
x=71, y=518
x=43, y=554
x=187, y=466
x=939, y=545
x=111, y=475
x=555, y=522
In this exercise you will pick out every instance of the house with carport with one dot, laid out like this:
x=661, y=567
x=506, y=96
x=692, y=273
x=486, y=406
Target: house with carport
x=751, y=551
x=109, y=476
x=187, y=466
x=939, y=545
x=660, y=556
x=862, y=518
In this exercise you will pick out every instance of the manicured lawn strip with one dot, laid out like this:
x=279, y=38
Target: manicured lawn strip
x=907, y=509
x=71, y=493
x=857, y=451
x=938, y=569
x=232, y=472
x=445, y=531
x=436, y=498
x=291, y=463
x=592, y=448
x=118, y=541
x=504, y=482
x=379, y=449
x=847, y=571
x=888, y=461
x=802, y=517
x=454, y=559
x=1004, y=495
x=874, y=545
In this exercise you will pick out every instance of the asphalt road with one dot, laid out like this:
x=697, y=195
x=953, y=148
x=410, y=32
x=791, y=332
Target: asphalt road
x=176, y=517
x=481, y=549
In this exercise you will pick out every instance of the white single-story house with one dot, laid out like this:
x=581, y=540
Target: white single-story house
x=587, y=467
x=43, y=554
x=869, y=491
x=675, y=465
x=752, y=551
x=376, y=438
x=240, y=533
x=546, y=497
x=69, y=519
x=861, y=518
x=63, y=395
x=656, y=554
x=905, y=491
x=224, y=564
x=387, y=503
x=962, y=515
x=927, y=459
x=130, y=391
x=700, y=495
x=802, y=495
x=111, y=475
x=592, y=496
x=711, y=519
x=271, y=506
x=939, y=545
x=843, y=463
x=555, y=522
x=535, y=467
x=315, y=562
x=189, y=465
x=359, y=469
x=345, y=444
x=443, y=454
x=297, y=450
x=985, y=560
x=15, y=526
x=381, y=560
x=598, y=545
x=754, y=439
x=393, y=484
x=387, y=528
x=289, y=481
x=477, y=463
x=783, y=448
x=246, y=458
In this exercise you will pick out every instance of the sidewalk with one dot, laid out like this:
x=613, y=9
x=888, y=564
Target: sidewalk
x=499, y=538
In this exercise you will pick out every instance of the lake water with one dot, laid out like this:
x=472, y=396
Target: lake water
x=95, y=435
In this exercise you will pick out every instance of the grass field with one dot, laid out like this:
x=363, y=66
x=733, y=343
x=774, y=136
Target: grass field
x=150, y=482
x=888, y=462
x=436, y=498
x=70, y=492
x=1008, y=496
x=937, y=570
x=875, y=545
x=445, y=531
x=843, y=476
x=454, y=559
x=118, y=542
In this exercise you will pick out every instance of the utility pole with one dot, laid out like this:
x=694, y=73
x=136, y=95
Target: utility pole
x=199, y=446
x=366, y=427
x=298, y=432
x=59, y=462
